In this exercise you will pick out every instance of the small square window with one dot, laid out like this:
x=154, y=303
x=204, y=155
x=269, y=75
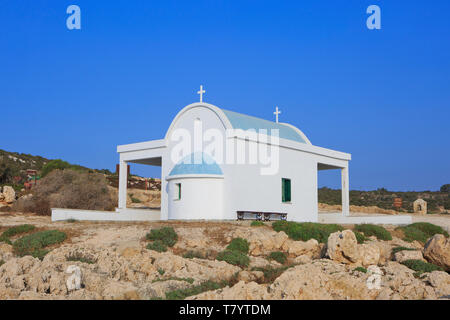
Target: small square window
x=285, y=190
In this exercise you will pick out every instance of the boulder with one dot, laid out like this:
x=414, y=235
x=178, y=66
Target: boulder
x=298, y=248
x=437, y=251
x=408, y=255
x=440, y=280
x=9, y=195
x=343, y=247
x=369, y=253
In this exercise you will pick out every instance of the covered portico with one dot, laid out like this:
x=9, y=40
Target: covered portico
x=345, y=191
x=148, y=153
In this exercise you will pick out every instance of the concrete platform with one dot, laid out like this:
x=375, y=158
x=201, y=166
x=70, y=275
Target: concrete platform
x=118, y=215
x=338, y=218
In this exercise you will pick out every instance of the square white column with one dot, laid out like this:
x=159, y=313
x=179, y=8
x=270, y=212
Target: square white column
x=345, y=192
x=123, y=181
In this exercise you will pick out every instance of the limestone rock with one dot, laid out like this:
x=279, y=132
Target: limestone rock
x=240, y=291
x=322, y=279
x=9, y=195
x=437, y=251
x=249, y=276
x=404, y=255
x=440, y=280
x=302, y=259
x=116, y=290
x=343, y=247
x=158, y=289
x=297, y=248
x=369, y=253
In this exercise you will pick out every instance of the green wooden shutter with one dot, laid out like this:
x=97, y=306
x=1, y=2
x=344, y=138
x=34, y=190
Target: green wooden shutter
x=288, y=190
x=285, y=190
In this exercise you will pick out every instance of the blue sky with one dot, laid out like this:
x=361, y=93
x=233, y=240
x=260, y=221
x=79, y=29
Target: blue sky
x=381, y=95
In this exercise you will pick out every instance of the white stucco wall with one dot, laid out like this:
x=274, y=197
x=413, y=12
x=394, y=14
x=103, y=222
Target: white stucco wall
x=201, y=198
x=247, y=189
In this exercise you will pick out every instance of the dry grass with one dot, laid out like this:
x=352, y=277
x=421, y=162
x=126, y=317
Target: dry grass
x=68, y=189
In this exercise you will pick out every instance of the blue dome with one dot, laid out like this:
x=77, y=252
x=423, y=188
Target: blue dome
x=196, y=163
x=245, y=122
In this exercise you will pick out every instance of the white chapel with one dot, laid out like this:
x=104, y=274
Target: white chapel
x=220, y=164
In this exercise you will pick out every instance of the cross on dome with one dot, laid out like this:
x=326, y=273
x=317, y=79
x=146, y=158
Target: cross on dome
x=201, y=92
x=276, y=113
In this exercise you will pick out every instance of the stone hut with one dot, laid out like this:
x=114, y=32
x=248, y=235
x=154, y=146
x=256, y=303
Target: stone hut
x=420, y=206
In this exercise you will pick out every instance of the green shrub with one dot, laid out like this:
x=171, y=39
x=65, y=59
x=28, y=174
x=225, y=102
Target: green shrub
x=135, y=200
x=239, y=244
x=54, y=164
x=2, y=262
x=359, y=237
x=234, y=257
x=157, y=245
x=193, y=254
x=10, y=232
x=374, y=230
x=35, y=243
x=257, y=224
x=81, y=258
x=161, y=271
x=271, y=273
x=182, y=294
x=166, y=235
x=306, y=230
x=398, y=249
x=421, y=231
x=278, y=256
x=421, y=266
x=360, y=269
x=188, y=280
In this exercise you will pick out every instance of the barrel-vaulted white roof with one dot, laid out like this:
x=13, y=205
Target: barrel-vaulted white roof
x=235, y=120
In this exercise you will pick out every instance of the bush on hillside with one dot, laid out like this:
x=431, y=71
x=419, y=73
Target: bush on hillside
x=234, y=257
x=166, y=235
x=54, y=165
x=68, y=189
x=278, y=256
x=373, y=230
x=421, y=231
x=421, y=266
x=256, y=224
x=157, y=245
x=239, y=244
x=306, y=230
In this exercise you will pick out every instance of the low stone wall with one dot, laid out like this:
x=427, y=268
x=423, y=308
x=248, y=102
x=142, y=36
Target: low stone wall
x=118, y=215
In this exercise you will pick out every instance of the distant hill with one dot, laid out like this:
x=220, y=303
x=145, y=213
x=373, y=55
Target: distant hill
x=437, y=201
x=14, y=166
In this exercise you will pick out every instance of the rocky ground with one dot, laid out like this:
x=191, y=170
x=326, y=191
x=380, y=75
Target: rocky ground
x=112, y=262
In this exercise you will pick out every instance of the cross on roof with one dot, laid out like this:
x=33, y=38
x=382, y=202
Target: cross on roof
x=276, y=113
x=201, y=92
